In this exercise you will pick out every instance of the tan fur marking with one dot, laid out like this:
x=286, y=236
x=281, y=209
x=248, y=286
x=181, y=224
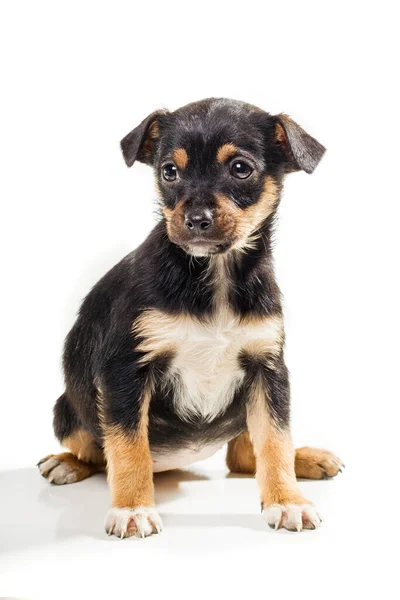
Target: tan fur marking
x=310, y=463
x=274, y=454
x=83, y=446
x=270, y=341
x=156, y=330
x=242, y=223
x=129, y=463
x=225, y=152
x=174, y=218
x=181, y=158
x=254, y=215
x=227, y=215
x=240, y=455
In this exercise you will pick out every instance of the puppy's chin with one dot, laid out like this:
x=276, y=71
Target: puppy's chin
x=202, y=249
x=199, y=250
x=206, y=249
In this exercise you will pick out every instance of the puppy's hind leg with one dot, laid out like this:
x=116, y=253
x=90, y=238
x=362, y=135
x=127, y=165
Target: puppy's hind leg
x=240, y=456
x=310, y=463
x=85, y=457
x=316, y=463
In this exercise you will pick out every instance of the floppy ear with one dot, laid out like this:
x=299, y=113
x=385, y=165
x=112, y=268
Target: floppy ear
x=302, y=151
x=139, y=144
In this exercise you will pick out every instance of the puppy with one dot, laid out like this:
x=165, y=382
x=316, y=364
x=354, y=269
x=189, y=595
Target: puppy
x=179, y=348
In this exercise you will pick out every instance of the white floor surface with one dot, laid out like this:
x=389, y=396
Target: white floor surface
x=214, y=541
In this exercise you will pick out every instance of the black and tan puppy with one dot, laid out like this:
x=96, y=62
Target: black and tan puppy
x=179, y=348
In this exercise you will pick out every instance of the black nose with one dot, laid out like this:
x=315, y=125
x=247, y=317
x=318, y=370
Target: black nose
x=199, y=220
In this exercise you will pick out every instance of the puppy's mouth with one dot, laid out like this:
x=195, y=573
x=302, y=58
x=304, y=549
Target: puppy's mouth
x=202, y=247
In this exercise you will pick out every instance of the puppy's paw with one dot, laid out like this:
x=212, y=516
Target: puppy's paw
x=125, y=522
x=57, y=471
x=315, y=463
x=65, y=468
x=294, y=517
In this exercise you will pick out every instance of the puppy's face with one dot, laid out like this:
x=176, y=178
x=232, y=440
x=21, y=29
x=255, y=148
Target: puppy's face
x=219, y=165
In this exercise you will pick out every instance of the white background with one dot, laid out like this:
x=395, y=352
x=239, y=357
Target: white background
x=76, y=77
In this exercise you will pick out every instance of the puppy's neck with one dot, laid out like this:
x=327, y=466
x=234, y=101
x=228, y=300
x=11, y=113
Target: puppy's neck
x=242, y=280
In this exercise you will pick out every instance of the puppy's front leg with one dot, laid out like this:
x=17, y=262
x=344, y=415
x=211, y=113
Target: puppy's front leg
x=130, y=477
x=282, y=502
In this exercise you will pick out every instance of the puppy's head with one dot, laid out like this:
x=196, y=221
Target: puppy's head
x=219, y=165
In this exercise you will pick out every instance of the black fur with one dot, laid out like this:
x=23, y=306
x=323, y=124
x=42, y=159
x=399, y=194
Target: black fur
x=100, y=351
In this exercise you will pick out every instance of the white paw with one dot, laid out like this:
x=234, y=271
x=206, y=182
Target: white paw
x=294, y=517
x=141, y=521
x=58, y=472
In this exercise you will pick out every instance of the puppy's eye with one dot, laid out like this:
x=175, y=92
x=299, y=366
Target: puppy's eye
x=169, y=172
x=241, y=170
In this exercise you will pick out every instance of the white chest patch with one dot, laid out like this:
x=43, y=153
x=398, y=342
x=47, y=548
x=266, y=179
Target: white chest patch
x=205, y=368
x=205, y=371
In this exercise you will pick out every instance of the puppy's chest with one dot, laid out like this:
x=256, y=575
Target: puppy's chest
x=205, y=369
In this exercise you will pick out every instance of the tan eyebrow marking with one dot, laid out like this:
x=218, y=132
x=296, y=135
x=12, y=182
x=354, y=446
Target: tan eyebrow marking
x=180, y=157
x=226, y=151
